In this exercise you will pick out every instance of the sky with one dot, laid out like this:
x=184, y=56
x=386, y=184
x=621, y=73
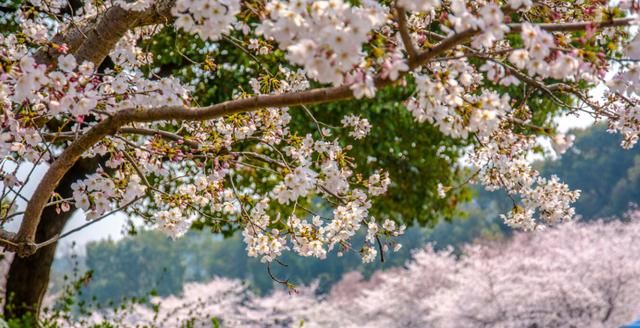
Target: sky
x=567, y=123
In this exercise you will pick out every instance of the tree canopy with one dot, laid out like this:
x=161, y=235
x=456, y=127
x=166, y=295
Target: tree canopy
x=300, y=123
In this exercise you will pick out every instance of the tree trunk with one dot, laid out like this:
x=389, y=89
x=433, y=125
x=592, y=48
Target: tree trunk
x=28, y=277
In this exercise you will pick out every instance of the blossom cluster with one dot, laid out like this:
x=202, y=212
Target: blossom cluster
x=504, y=165
x=360, y=126
x=208, y=19
x=325, y=37
x=446, y=103
x=623, y=87
x=314, y=235
x=501, y=155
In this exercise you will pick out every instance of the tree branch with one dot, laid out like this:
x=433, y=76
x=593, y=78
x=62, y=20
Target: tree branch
x=573, y=27
x=26, y=233
x=94, y=37
x=164, y=134
x=403, y=29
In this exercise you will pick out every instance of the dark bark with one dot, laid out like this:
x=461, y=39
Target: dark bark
x=28, y=277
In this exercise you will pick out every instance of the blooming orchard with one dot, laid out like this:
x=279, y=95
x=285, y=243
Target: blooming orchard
x=474, y=65
x=576, y=275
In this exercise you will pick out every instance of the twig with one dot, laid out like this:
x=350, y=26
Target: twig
x=403, y=28
x=60, y=236
x=381, y=249
x=164, y=134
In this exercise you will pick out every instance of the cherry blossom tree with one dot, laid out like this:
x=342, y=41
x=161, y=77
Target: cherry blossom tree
x=576, y=275
x=475, y=66
x=571, y=277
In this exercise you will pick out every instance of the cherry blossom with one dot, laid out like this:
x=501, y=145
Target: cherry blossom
x=359, y=125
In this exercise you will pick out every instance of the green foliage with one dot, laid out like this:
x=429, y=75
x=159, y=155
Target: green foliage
x=24, y=322
x=417, y=156
x=8, y=17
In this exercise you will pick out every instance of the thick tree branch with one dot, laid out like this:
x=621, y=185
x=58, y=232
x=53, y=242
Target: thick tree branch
x=26, y=233
x=93, y=38
x=403, y=29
